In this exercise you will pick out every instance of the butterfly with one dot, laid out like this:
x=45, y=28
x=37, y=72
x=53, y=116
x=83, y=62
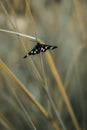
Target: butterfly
x=39, y=48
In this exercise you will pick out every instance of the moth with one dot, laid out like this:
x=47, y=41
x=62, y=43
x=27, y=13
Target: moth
x=39, y=48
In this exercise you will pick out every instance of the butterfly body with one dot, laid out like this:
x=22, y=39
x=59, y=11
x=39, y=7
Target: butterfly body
x=40, y=48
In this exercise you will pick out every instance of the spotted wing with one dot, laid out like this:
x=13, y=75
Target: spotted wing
x=47, y=47
x=34, y=51
x=40, y=48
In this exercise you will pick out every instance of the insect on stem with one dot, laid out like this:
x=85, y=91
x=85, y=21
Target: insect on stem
x=40, y=48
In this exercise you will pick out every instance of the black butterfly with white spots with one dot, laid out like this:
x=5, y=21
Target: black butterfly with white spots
x=40, y=48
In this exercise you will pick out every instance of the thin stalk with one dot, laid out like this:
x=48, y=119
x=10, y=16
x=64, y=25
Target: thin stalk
x=50, y=99
x=28, y=94
x=19, y=34
x=24, y=110
x=5, y=122
x=62, y=90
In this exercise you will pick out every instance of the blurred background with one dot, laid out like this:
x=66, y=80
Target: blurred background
x=56, y=22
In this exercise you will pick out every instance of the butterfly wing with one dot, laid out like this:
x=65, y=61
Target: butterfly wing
x=34, y=51
x=40, y=48
x=52, y=47
x=47, y=47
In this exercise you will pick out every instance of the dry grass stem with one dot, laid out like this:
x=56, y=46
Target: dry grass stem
x=5, y=122
x=62, y=90
x=19, y=34
x=28, y=94
x=51, y=102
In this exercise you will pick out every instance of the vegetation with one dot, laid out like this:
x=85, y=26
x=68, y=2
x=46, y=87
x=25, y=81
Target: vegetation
x=48, y=90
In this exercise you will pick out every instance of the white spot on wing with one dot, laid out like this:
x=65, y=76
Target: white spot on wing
x=31, y=51
x=51, y=47
x=46, y=47
x=34, y=52
x=42, y=49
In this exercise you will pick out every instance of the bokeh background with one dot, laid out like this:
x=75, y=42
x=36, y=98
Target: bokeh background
x=56, y=22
